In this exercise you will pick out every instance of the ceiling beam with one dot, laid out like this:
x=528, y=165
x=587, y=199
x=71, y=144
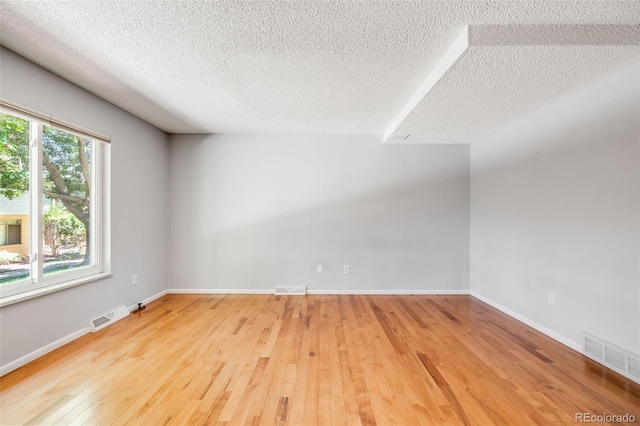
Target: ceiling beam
x=456, y=49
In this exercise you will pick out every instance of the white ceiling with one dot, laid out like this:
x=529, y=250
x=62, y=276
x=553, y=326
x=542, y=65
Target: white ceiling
x=325, y=67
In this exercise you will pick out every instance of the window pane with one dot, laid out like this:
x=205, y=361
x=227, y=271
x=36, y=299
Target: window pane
x=14, y=234
x=67, y=205
x=14, y=199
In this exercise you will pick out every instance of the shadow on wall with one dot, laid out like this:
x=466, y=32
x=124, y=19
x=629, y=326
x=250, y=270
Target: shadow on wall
x=413, y=237
x=555, y=207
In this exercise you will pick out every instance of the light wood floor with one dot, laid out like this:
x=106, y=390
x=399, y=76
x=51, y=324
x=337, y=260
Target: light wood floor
x=341, y=360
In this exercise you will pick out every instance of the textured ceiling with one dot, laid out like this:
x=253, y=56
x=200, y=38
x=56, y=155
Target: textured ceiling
x=509, y=71
x=325, y=67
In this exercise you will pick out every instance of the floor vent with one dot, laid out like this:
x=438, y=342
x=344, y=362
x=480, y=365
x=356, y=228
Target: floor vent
x=290, y=291
x=612, y=356
x=104, y=320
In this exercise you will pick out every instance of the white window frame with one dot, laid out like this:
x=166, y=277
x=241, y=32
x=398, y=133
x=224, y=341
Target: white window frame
x=38, y=284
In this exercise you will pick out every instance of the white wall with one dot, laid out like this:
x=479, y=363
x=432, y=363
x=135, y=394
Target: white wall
x=138, y=211
x=250, y=212
x=555, y=208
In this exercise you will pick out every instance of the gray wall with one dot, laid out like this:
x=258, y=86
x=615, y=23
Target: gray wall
x=250, y=212
x=138, y=211
x=555, y=208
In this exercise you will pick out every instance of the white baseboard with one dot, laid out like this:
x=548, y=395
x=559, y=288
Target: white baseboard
x=149, y=299
x=311, y=291
x=542, y=329
x=220, y=291
x=390, y=292
x=13, y=365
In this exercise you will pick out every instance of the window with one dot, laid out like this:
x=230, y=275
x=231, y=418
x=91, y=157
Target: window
x=53, y=204
x=10, y=232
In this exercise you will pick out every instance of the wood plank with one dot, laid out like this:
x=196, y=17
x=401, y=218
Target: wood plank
x=316, y=359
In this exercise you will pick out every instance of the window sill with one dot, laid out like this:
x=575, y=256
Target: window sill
x=21, y=297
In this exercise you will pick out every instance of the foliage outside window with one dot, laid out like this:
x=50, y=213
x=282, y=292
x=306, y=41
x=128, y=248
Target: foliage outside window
x=51, y=217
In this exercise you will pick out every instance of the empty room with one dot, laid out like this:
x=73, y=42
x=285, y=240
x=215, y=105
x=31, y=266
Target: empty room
x=319, y=212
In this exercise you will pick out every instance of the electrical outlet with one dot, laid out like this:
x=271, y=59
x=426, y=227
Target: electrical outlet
x=346, y=269
x=319, y=269
x=551, y=299
x=134, y=279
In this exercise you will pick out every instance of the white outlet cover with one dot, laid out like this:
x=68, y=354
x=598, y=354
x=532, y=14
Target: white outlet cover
x=319, y=269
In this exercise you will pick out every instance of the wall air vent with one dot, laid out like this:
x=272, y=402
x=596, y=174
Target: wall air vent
x=109, y=318
x=290, y=291
x=611, y=356
x=634, y=368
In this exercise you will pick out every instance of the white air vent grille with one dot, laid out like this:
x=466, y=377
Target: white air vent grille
x=634, y=367
x=101, y=320
x=615, y=358
x=612, y=356
x=593, y=348
x=109, y=318
x=291, y=291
